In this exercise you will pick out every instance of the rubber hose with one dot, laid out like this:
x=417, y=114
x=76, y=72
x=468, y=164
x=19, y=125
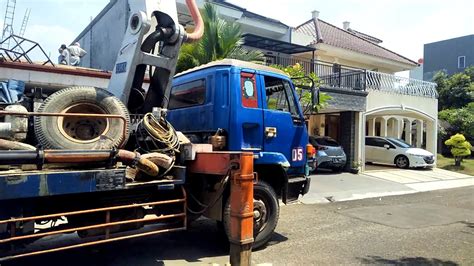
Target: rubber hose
x=15, y=145
x=197, y=18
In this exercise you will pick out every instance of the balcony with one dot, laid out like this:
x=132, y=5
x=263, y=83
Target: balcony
x=335, y=76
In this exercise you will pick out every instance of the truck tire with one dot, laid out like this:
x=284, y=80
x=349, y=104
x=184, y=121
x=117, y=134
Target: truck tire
x=266, y=206
x=81, y=133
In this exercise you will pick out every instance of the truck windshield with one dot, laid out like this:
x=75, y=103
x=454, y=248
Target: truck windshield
x=280, y=95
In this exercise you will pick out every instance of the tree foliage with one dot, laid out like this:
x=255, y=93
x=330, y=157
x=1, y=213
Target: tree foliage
x=221, y=39
x=297, y=71
x=456, y=103
x=461, y=120
x=460, y=148
x=455, y=91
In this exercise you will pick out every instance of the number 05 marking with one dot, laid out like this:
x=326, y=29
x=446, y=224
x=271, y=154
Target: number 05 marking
x=297, y=154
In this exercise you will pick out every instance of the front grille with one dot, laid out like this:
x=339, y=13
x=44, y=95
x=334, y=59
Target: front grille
x=428, y=159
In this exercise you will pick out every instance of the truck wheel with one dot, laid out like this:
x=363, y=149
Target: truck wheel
x=81, y=132
x=266, y=212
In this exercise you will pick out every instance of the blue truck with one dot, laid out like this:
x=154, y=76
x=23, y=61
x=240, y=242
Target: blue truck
x=254, y=108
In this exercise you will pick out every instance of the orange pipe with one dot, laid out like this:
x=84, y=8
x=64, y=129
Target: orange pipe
x=241, y=214
x=197, y=18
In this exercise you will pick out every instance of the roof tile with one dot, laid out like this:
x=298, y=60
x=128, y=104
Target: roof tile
x=332, y=35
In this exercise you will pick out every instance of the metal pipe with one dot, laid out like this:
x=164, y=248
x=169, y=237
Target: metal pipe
x=95, y=226
x=241, y=214
x=19, y=157
x=197, y=18
x=40, y=157
x=129, y=206
x=92, y=243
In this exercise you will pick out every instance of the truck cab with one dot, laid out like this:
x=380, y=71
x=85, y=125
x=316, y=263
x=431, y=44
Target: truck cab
x=254, y=108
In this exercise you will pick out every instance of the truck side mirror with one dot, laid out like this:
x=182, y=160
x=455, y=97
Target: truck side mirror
x=314, y=98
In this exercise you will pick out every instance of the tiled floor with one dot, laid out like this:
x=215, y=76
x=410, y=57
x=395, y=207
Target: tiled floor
x=408, y=176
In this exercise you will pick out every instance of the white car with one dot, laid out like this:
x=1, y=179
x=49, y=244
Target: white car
x=396, y=151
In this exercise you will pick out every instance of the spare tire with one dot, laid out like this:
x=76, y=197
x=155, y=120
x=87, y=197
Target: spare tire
x=84, y=132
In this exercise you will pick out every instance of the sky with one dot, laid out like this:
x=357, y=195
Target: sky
x=403, y=25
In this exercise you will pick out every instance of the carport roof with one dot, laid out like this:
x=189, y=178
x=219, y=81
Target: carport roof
x=274, y=45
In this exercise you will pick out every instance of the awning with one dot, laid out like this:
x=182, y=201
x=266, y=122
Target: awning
x=274, y=45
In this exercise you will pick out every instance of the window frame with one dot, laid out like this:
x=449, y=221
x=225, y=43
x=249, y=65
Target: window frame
x=286, y=88
x=464, y=61
x=252, y=101
x=371, y=141
x=204, y=82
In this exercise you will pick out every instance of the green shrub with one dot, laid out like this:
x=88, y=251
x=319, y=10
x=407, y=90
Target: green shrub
x=460, y=148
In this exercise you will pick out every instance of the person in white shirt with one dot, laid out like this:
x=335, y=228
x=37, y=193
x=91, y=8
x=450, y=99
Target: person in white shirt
x=76, y=53
x=64, y=55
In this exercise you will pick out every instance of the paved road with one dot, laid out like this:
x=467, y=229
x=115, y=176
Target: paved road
x=424, y=228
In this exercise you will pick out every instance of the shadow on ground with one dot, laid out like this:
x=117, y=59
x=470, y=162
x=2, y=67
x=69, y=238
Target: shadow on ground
x=202, y=240
x=406, y=261
x=468, y=224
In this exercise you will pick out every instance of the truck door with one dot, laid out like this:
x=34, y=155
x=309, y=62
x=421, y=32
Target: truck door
x=247, y=117
x=284, y=124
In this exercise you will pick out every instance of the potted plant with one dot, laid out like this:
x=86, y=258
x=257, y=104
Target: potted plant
x=355, y=167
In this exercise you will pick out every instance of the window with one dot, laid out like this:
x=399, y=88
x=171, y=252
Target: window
x=462, y=61
x=188, y=94
x=249, y=90
x=326, y=141
x=400, y=143
x=377, y=142
x=280, y=95
x=370, y=142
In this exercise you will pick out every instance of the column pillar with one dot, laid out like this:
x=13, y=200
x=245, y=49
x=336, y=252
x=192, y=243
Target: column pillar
x=408, y=132
x=400, y=127
x=347, y=135
x=371, y=127
x=431, y=136
x=383, y=127
x=419, y=133
x=397, y=124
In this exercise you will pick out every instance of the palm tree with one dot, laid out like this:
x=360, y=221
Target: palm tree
x=221, y=39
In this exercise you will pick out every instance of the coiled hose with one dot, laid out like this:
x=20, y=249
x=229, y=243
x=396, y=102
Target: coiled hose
x=162, y=134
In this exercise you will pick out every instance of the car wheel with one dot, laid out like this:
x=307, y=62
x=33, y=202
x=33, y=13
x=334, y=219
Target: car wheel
x=337, y=169
x=266, y=213
x=401, y=161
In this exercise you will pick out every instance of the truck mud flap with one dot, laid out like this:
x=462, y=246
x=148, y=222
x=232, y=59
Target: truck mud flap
x=297, y=186
x=16, y=243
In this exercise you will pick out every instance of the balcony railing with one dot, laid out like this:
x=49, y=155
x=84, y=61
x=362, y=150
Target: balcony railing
x=350, y=78
x=340, y=77
x=400, y=85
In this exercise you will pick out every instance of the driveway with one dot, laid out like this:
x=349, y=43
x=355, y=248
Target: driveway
x=385, y=181
x=423, y=179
